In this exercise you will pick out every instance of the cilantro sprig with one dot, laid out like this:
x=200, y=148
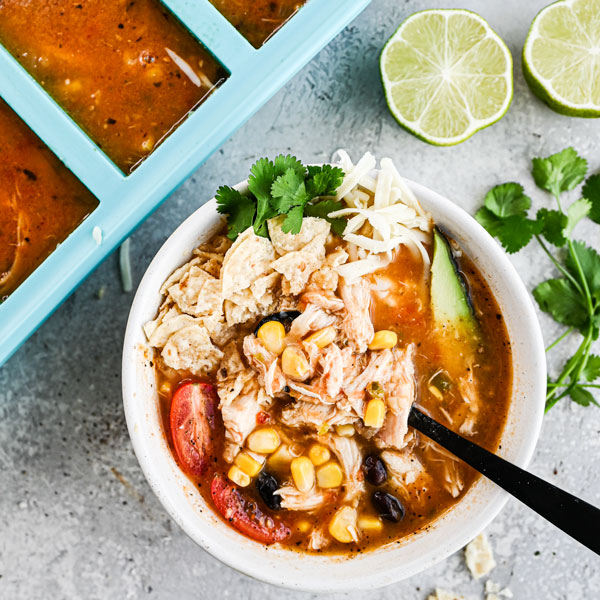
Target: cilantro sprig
x=283, y=186
x=573, y=299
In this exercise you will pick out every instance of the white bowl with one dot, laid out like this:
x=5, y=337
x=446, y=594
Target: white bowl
x=317, y=573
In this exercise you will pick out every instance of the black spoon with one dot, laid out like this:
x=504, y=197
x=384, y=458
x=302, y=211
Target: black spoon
x=574, y=516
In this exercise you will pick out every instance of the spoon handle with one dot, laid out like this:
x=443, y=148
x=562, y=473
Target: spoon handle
x=574, y=516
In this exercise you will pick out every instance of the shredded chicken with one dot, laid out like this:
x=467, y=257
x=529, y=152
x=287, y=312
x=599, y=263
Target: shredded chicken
x=301, y=414
x=239, y=419
x=318, y=539
x=403, y=467
x=324, y=299
x=357, y=325
x=400, y=395
x=312, y=319
x=270, y=375
x=293, y=499
x=348, y=453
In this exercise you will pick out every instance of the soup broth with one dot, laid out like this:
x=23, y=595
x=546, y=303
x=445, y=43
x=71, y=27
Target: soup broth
x=41, y=201
x=257, y=21
x=125, y=70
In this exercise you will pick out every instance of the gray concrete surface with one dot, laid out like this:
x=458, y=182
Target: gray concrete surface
x=77, y=519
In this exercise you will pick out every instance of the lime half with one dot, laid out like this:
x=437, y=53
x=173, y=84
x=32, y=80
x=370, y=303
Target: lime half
x=446, y=74
x=561, y=57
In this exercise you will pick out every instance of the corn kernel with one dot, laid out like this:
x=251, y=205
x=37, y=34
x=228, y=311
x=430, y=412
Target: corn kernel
x=303, y=525
x=435, y=392
x=329, y=475
x=323, y=429
x=303, y=473
x=264, y=441
x=238, y=476
x=318, y=454
x=383, y=340
x=345, y=430
x=280, y=459
x=343, y=525
x=323, y=337
x=370, y=523
x=272, y=335
x=165, y=388
x=374, y=413
x=248, y=464
x=294, y=364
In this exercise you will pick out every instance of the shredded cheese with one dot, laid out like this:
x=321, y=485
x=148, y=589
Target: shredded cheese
x=383, y=214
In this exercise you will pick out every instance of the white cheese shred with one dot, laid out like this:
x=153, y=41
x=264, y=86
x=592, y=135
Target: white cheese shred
x=383, y=213
x=125, y=266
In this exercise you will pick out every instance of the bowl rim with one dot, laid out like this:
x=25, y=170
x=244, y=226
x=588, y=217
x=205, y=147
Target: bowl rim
x=295, y=578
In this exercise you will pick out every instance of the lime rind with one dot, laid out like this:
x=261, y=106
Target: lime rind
x=541, y=86
x=475, y=124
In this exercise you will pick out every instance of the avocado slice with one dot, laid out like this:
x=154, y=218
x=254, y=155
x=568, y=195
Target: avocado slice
x=450, y=301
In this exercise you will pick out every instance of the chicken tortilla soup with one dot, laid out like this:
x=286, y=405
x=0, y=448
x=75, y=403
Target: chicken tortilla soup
x=291, y=346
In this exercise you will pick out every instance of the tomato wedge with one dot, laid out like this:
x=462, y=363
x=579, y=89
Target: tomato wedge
x=192, y=425
x=245, y=516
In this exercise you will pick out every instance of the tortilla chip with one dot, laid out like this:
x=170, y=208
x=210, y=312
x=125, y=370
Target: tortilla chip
x=190, y=349
x=325, y=278
x=210, y=298
x=297, y=267
x=168, y=327
x=337, y=257
x=177, y=274
x=151, y=326
x=290, y=242
x=265, y=286
x=218, y=329
x=186, y=291
x=245, y=262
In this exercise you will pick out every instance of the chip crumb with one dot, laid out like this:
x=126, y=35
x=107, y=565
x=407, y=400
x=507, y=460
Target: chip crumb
x=444, y=595
x=494, y=591
x=97, y=234
x=479, y=556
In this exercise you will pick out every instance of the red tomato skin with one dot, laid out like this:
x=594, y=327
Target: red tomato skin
x=236, y=510
x=192, y=420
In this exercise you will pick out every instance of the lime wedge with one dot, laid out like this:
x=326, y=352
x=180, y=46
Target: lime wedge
x=446, y=74
x=561, y=57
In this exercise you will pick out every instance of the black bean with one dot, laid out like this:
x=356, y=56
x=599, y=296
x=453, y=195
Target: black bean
x=387, y=506
x=285, y=317
x=374, y=469
x=267, y=485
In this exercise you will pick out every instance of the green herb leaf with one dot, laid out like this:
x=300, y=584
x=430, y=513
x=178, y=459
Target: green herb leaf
x=262, y=174
x=239, y=208
x=514, y=232
x=589, y=260
x=324, y=181
x=591, y=191
x=293, y=220
x=559, y=298
x=559, y=172
x=554, y=223
x=322, y=210
x=591, y=370
x=507, y=199
x=582, y=396
x=283, y=163
x=289, y=191
x=577, y=211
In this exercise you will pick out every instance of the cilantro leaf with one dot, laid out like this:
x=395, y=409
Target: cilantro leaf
x=293, y=220
x=591, y=191
x=559, y=172
x=554, y=223
x=582, y=396
x=322, y=209
x=513, y=232
x=591, y=370
x=559, y=298
x=283, y=163
x=289, y=191
x=324, y=181
x=261, y=177
x=577, y=211
x=589, y=260
x=240, y=210
x=507, y=199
